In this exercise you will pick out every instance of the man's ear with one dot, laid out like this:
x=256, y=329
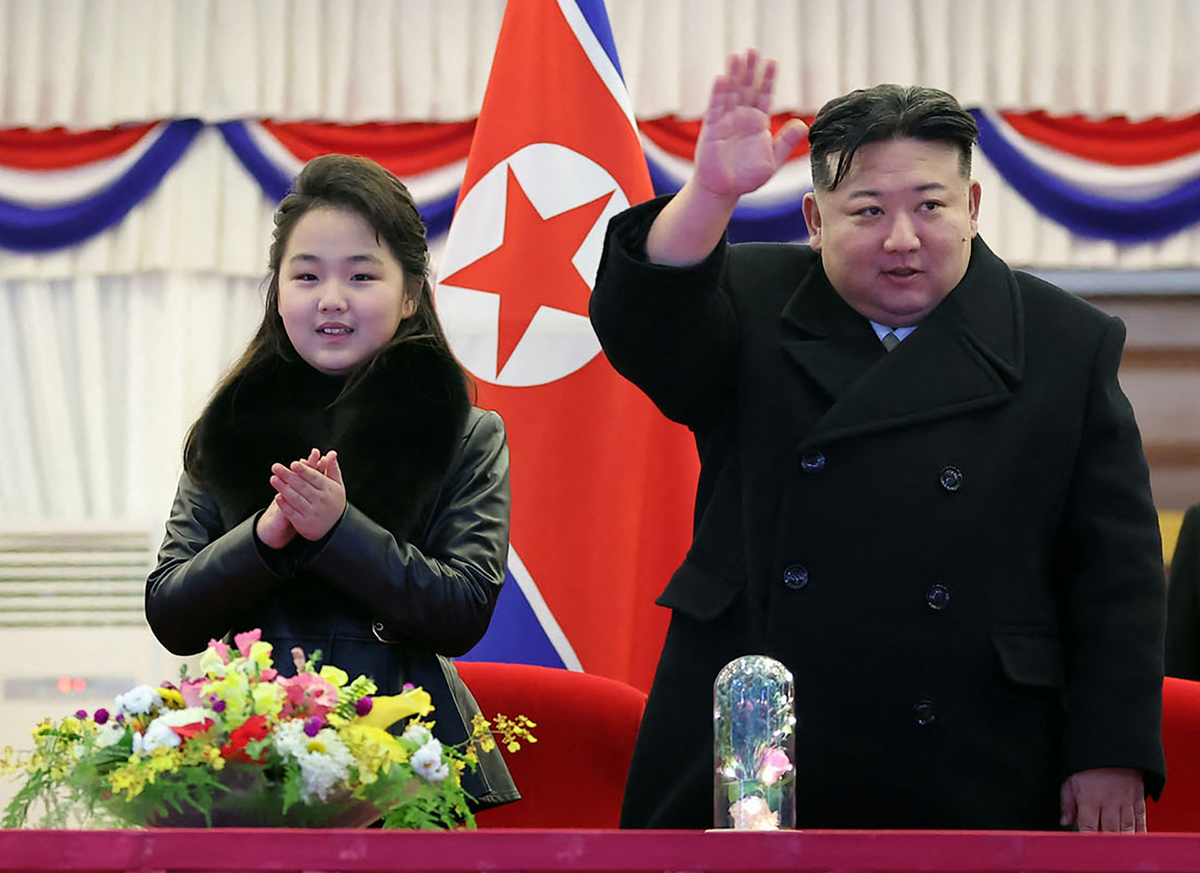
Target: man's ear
x=812, y=218
x=973, y=206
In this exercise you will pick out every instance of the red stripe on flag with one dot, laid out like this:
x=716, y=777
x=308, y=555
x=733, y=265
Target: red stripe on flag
x=1116, y=141
x=405, y=149
x=60, y=149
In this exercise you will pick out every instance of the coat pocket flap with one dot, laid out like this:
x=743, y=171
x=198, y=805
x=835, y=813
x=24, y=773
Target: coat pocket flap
x=1031, y=658
x=699, y=591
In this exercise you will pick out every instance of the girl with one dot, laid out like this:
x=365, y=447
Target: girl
x=339, y=490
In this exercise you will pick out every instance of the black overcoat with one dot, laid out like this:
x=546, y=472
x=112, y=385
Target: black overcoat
x=952, y=546
x=1183, y=601
x=406, y=579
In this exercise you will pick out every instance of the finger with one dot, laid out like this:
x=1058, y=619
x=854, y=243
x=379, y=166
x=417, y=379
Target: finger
x=1066, y=798
x=310, y=475
x=1139, y=818
x=1110, y=817
x=289, y=511
x=335, y=469
x=313, y=456
x=1128, y=819
x=288, y=477
x=786, y=140
x=297, y=499
x=765, y=87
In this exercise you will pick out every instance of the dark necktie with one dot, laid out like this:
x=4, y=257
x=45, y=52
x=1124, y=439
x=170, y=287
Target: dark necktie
x=890, y=341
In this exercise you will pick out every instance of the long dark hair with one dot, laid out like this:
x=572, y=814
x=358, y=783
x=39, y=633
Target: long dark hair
x=362, y=186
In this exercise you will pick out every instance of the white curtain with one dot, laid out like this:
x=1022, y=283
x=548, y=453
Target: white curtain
x=93, y=63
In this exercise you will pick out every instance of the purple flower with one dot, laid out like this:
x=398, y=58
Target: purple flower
x=120, y=716
x=101, y=716
x=363, y=705
x=81, y=713
x=313, y=725
x=408, y=686
x=219, y=706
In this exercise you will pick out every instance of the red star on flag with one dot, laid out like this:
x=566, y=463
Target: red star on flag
x=532, y=266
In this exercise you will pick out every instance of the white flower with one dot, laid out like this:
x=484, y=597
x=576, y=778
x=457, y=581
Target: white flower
x=109, y=735
x=417, y=734
x=189, y=715
x=753, y=814
x=324, y=759
x=138, y=700
x=427, y=761
x=158, y=734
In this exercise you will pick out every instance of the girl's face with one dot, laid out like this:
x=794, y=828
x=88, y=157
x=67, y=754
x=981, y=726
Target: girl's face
x=341, y=291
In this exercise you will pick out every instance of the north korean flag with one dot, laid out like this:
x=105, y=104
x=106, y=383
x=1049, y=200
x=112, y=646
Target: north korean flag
x=602, y=484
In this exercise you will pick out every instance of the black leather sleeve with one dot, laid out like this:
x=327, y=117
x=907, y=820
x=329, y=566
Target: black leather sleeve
x=205, y=576
x=439, y=596
x=1183, y=601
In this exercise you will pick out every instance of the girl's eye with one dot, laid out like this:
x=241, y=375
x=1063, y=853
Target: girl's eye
x=304, y=277
x=362, y=277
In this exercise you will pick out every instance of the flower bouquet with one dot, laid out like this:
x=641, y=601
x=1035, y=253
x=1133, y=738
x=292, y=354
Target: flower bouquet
x=244, y=746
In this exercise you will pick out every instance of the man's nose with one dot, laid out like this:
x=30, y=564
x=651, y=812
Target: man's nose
x=902, y=236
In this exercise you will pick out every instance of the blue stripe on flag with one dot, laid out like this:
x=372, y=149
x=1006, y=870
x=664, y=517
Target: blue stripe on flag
x=515, y=636
x=597, y=18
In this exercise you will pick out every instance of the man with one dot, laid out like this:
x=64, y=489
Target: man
x=950, y=544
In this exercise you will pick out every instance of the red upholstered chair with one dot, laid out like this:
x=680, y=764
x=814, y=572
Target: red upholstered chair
x=573, y=777
x=1179, y=807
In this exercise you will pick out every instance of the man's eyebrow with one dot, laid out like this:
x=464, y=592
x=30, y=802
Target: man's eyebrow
x=862, y=193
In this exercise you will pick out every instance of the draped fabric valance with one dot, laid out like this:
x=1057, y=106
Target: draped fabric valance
x=1100, y=193
x=94, y=63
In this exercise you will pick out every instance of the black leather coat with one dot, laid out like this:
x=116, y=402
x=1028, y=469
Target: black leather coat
x=392, y=591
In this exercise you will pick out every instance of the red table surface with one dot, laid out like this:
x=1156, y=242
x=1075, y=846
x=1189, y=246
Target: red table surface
x=507, y=851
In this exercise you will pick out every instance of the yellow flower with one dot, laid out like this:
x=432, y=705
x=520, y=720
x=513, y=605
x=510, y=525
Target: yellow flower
x=335, y=677
x=172, y=698
x=315, y=746
x=260, y=654
x=211, y=664
x=268, y=698
x=387, y=710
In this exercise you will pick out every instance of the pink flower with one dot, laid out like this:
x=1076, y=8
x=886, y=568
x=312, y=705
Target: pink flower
x=307, y=695
x=775, y=764
x=221, y=649
x=245, y=640
x=193, y=691
x=267, y=675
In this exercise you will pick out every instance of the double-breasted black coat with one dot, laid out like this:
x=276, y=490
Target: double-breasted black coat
x=406, y=579
x=952, y=546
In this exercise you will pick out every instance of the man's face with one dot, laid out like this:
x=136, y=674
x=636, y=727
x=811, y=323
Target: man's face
x=895, y=235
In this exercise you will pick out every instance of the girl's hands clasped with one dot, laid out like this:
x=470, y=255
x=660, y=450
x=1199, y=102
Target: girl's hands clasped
x=312, y=496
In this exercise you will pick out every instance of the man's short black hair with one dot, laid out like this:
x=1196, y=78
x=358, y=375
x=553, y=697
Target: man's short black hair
x=884, y=112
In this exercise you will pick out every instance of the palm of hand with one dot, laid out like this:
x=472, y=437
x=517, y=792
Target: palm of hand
x=736, y=154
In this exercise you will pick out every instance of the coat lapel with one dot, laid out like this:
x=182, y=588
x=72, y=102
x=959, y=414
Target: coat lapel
x=966, y=355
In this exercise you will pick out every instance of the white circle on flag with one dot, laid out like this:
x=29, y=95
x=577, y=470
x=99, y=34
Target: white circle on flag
x=556, y=343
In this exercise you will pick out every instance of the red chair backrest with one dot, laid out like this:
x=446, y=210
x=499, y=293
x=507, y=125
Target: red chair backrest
x=574, y=776
x=1179, y=807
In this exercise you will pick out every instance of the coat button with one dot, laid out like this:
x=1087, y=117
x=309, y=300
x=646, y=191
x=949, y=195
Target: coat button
x=795, y=576
x=937, y=597
x=813, y=462
x=924, y=713
x=951, y=478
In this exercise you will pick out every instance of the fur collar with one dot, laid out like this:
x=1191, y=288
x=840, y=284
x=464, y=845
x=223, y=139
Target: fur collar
x=395, y=433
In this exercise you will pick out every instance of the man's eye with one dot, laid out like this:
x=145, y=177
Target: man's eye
x=870, y=211
x=931, y=205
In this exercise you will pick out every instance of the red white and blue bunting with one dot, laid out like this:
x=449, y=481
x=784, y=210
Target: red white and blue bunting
x=1110, y=179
